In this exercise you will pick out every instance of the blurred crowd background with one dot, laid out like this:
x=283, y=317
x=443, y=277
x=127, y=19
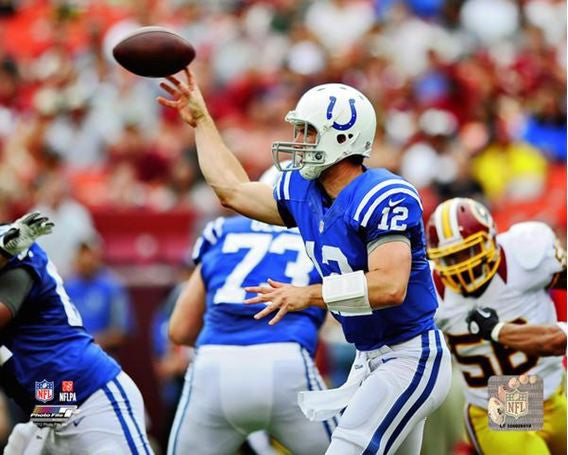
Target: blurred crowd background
x=470, y=96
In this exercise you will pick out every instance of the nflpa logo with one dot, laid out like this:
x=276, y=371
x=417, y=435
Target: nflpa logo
x=67, y=386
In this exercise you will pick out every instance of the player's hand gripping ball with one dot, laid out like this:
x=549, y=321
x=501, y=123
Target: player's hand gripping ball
x=154, y=52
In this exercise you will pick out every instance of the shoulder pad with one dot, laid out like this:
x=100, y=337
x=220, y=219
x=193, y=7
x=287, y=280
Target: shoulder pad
x=529, y=243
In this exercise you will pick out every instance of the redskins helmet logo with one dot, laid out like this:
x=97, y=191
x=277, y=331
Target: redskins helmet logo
x=480, y=213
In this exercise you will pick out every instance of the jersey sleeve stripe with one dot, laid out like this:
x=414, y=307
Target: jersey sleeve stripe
x=383, y=197
x=218, y=227
x=208, y=234
x=278, y=186
x=197, y=249
x=287, y=177
x=375, y=190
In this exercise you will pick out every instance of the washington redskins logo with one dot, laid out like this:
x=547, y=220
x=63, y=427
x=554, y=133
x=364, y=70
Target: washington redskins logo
x=481, y=214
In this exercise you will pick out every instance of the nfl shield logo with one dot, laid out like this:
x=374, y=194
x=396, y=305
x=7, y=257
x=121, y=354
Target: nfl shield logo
x=517, y=403
x=44, y=391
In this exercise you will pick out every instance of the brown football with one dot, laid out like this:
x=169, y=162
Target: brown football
x=154, y=52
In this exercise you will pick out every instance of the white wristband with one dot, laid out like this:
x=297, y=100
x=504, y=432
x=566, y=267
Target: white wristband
x=496, y=330
x=347, y=294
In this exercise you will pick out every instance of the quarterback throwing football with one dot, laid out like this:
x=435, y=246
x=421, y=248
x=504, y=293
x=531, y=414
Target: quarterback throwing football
x=363, y=231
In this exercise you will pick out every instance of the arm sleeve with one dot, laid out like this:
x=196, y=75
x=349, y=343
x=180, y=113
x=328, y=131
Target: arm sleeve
x=15, y=284
x=209, y=237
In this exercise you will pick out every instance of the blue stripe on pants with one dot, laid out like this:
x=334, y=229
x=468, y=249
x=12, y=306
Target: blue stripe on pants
x=425, y=394
x=120, y=417
x=310, y=388
x=131, y=414
x=375, y=443
x=175, y=431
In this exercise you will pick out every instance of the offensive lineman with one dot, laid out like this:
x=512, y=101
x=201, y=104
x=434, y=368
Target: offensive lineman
x=47, y=358
x=482, y=278
x=246, y=375
x=363, y=231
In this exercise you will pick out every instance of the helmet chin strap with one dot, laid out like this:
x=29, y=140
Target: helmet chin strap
x=313, y=171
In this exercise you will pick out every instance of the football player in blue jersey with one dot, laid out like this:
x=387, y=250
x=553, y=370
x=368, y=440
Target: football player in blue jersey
x=47, y=358
x=246, y=375
x=363, y=230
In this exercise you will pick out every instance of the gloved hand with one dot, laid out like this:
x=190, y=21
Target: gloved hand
x=482, y=321
x=23, y=232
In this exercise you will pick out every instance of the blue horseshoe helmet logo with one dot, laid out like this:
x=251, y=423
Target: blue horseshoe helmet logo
x=350, y=123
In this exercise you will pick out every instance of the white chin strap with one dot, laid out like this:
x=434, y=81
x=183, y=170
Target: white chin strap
x=312, y=171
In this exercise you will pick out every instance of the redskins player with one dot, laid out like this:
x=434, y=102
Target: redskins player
x=487, y=284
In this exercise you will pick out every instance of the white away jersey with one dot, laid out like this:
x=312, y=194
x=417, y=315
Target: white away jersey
x=529, y=261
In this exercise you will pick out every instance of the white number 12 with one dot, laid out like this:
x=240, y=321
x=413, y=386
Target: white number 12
x=400, y=213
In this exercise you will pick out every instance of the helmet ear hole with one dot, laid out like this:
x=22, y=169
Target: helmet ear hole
x=341, y=138
x=350, y=136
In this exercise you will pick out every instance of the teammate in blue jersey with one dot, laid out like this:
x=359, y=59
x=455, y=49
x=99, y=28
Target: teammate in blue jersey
x=363, y=230
x=246, y=375
x=47, y=358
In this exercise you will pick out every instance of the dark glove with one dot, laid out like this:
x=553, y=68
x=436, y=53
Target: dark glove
x=23, y=232
x=482, y=321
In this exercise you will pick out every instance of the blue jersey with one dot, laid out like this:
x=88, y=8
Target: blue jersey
x=337, y=234
x=46, y=356
x=238, y=252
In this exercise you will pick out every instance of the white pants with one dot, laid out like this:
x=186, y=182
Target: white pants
x=232, y=391
x=109, y=422
x=406, y=383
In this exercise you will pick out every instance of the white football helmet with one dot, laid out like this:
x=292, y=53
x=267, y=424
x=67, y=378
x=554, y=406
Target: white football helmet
x=344, y=120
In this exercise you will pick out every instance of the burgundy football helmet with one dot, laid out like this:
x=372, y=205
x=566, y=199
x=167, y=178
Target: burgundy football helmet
x=461, y=242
